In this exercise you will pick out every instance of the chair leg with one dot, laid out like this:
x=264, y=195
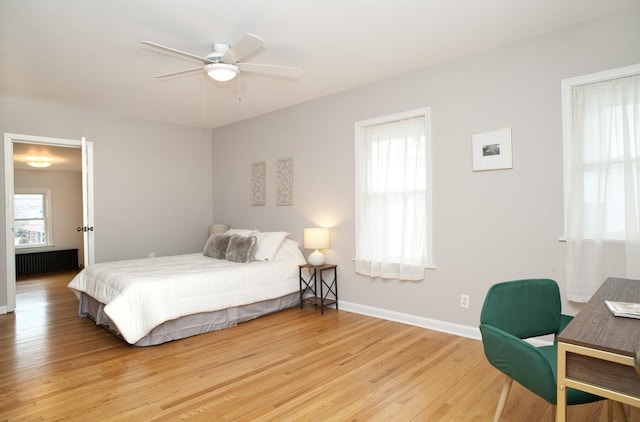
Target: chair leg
x=621, y=415
x=609, y=411
x=506, y=387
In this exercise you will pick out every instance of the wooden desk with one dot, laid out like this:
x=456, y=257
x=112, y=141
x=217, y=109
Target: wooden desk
x=595, y=351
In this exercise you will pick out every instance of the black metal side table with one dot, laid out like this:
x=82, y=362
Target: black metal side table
x=319, y=296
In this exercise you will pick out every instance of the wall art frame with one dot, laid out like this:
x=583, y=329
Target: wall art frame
x=284, y=182
x=492, y=150
x=258, y=184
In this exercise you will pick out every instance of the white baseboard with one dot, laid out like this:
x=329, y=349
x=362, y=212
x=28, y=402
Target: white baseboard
x=3, y=310
x=431, y=324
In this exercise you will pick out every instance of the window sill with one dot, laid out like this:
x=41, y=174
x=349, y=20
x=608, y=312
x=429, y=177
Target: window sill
x=563, y=239
x=428, y=267
x=23, y=247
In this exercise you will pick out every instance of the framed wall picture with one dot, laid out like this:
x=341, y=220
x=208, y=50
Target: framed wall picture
x=285, y=182
x=492, y=150
x=258, y=184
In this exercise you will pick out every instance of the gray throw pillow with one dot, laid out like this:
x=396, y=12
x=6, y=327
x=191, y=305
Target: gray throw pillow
x=241, y=248
x=216, y=246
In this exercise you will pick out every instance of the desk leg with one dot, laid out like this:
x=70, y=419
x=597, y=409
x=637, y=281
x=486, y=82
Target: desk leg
x=301, y=289
x=321, y=294
x=561, y=407
x=335, y=279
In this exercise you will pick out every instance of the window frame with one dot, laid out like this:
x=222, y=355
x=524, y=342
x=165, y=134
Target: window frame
x=424, y=113
x=48, y=221
x=567, y=86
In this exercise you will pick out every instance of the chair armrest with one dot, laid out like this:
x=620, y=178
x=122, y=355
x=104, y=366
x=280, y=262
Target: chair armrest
x=564, y=321
x=519, y=360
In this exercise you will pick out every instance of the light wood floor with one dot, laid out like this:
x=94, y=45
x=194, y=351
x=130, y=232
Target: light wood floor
x=296, y=365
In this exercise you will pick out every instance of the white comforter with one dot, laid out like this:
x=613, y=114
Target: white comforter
x=143, y=293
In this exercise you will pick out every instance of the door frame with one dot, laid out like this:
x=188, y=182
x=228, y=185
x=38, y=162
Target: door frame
x=87, y=193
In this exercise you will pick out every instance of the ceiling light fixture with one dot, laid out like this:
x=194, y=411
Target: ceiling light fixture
x=221, y=72
x=39, y=162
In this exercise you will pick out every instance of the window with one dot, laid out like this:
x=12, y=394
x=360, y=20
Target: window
x=393, y=196
x=601, y=117
x=32, y=218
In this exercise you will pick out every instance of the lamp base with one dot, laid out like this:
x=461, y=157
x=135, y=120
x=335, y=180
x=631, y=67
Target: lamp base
x=316, y=258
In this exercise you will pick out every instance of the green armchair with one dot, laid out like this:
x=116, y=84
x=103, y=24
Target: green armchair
x=518, y=310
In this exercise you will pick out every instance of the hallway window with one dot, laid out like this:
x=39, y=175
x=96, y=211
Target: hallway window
x=32, y=217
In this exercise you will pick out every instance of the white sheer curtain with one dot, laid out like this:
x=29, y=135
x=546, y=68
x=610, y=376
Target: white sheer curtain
x=603, y=202
x=393, y=199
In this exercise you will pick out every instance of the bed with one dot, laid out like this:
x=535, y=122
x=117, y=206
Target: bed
x=239, y=276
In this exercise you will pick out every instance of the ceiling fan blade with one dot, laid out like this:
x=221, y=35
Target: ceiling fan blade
x=180, y=72
x=178, y=52
x=271, y=69
x=246, y=46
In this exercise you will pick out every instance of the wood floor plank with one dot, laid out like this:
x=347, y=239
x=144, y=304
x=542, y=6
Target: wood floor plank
x=295, y=365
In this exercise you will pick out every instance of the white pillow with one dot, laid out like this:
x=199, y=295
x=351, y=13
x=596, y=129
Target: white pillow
x=268, y=244
x=240, y=232
x=290, y=249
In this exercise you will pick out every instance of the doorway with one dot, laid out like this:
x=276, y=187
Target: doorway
x=63, y=147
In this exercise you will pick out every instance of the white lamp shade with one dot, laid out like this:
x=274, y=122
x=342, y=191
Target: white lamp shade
x=316, y=238
x=218, y=229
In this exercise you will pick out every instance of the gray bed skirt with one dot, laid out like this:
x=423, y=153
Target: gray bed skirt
x=190, y=325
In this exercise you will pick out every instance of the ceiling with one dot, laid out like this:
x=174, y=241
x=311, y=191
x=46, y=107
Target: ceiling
x=87, y=53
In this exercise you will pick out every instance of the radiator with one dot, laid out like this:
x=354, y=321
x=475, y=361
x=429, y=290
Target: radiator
x=46, y=262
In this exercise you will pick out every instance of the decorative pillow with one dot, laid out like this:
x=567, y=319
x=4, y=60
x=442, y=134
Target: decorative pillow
x=268, y=244
x=241, y=248
x=216, y=246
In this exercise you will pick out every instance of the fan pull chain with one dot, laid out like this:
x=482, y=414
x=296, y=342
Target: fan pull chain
x=204, y=97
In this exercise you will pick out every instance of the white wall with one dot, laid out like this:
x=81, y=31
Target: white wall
x=152, y=180
x=489, y=226
x=66, y=205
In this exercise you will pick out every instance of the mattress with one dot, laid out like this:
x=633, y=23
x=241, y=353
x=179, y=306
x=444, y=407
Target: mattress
x=136, y=296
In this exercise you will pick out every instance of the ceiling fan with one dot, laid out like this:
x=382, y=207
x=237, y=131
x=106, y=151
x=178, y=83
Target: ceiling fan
x=225, y=62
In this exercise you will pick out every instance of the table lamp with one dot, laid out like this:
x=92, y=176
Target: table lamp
x=218, y=229
x=316, y=238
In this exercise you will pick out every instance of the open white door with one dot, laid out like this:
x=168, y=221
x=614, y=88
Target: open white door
x=87, y=202
x=10, y=262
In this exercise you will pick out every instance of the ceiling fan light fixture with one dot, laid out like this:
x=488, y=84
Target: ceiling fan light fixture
x=221, y=72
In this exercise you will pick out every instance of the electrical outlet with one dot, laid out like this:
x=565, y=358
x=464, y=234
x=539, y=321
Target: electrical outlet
x=464, y=301
x=152, y=255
